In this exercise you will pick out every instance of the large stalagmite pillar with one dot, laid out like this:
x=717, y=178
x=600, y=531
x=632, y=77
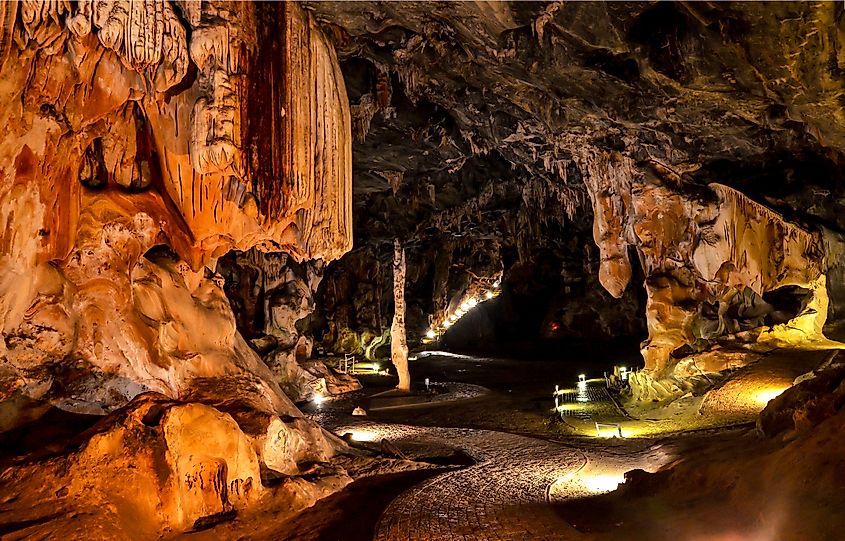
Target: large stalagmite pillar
x=398, y=343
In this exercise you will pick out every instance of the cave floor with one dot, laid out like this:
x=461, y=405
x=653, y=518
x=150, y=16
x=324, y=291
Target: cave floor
x=493, y=460
x=525, y=475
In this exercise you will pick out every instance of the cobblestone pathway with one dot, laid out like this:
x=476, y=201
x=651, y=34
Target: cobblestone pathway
x=503, y=497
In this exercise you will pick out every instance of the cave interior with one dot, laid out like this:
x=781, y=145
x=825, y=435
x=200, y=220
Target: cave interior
x=507, y=270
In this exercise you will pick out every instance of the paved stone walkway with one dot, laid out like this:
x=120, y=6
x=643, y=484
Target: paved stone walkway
x=504, y=496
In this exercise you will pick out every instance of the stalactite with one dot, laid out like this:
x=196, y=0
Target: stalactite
x=609, y=178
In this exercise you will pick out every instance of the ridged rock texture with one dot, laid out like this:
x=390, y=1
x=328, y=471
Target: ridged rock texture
x=142, y=141
x=272, y=297
x=697, y=146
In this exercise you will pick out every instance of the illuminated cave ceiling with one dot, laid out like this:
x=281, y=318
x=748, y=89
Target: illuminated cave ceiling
x=501, y=127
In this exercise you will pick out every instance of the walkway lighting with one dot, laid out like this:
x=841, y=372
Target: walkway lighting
x=600, y=484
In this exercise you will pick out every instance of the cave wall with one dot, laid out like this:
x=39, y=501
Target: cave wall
x=143, y=141
x=133, y=125
x=272, y=297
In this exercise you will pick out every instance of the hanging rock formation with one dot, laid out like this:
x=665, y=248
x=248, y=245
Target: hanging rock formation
x=143, y=141
x=130, y=137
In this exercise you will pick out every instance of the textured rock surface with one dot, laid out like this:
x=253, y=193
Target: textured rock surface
x=398, y=340
x=273, y=299
x=663, y=130
x=145, y=140
x=125, y=136
x=156, y=467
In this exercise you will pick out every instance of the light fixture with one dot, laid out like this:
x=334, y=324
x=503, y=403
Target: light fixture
x=489, y=294
x=465, y=306
x=582, y=378
x=319, y=399
x=431, y=333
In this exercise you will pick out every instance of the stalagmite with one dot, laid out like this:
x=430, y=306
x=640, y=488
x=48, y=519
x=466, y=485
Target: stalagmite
x=398, y=343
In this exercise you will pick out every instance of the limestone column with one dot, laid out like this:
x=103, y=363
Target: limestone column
x=398, y=342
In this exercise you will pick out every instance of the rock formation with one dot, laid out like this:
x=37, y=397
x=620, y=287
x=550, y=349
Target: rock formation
x=272, y=297
x=398, y=342
x=675, y=157
x=145, y=140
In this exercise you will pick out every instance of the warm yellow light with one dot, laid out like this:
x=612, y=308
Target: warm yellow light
x=431, y=333
x=569, y=407
x=489, y=294
x=609, y=432
x=459, y=312
x=472, y=302
x=763, y=396
x=319, y=399
x=361, y=435
x=465, y=306
x=447, y=323
x=602, y=483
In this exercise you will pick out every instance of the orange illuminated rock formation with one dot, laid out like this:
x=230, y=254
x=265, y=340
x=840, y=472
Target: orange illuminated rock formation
x=199, y=126
x=143, y=140
x=711, y=256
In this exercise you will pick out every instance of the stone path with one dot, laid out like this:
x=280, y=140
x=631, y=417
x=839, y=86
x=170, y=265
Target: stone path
x=507, y=494
x=504, y=496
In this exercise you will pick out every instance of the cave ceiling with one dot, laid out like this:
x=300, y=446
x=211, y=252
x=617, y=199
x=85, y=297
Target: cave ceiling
x=468, y=104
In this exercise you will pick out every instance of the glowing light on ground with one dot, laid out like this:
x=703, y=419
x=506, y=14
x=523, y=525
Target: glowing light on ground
x=763, y=396
x=361, y=435
x=599, y=484
x=319, y=399
x=363, y=368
